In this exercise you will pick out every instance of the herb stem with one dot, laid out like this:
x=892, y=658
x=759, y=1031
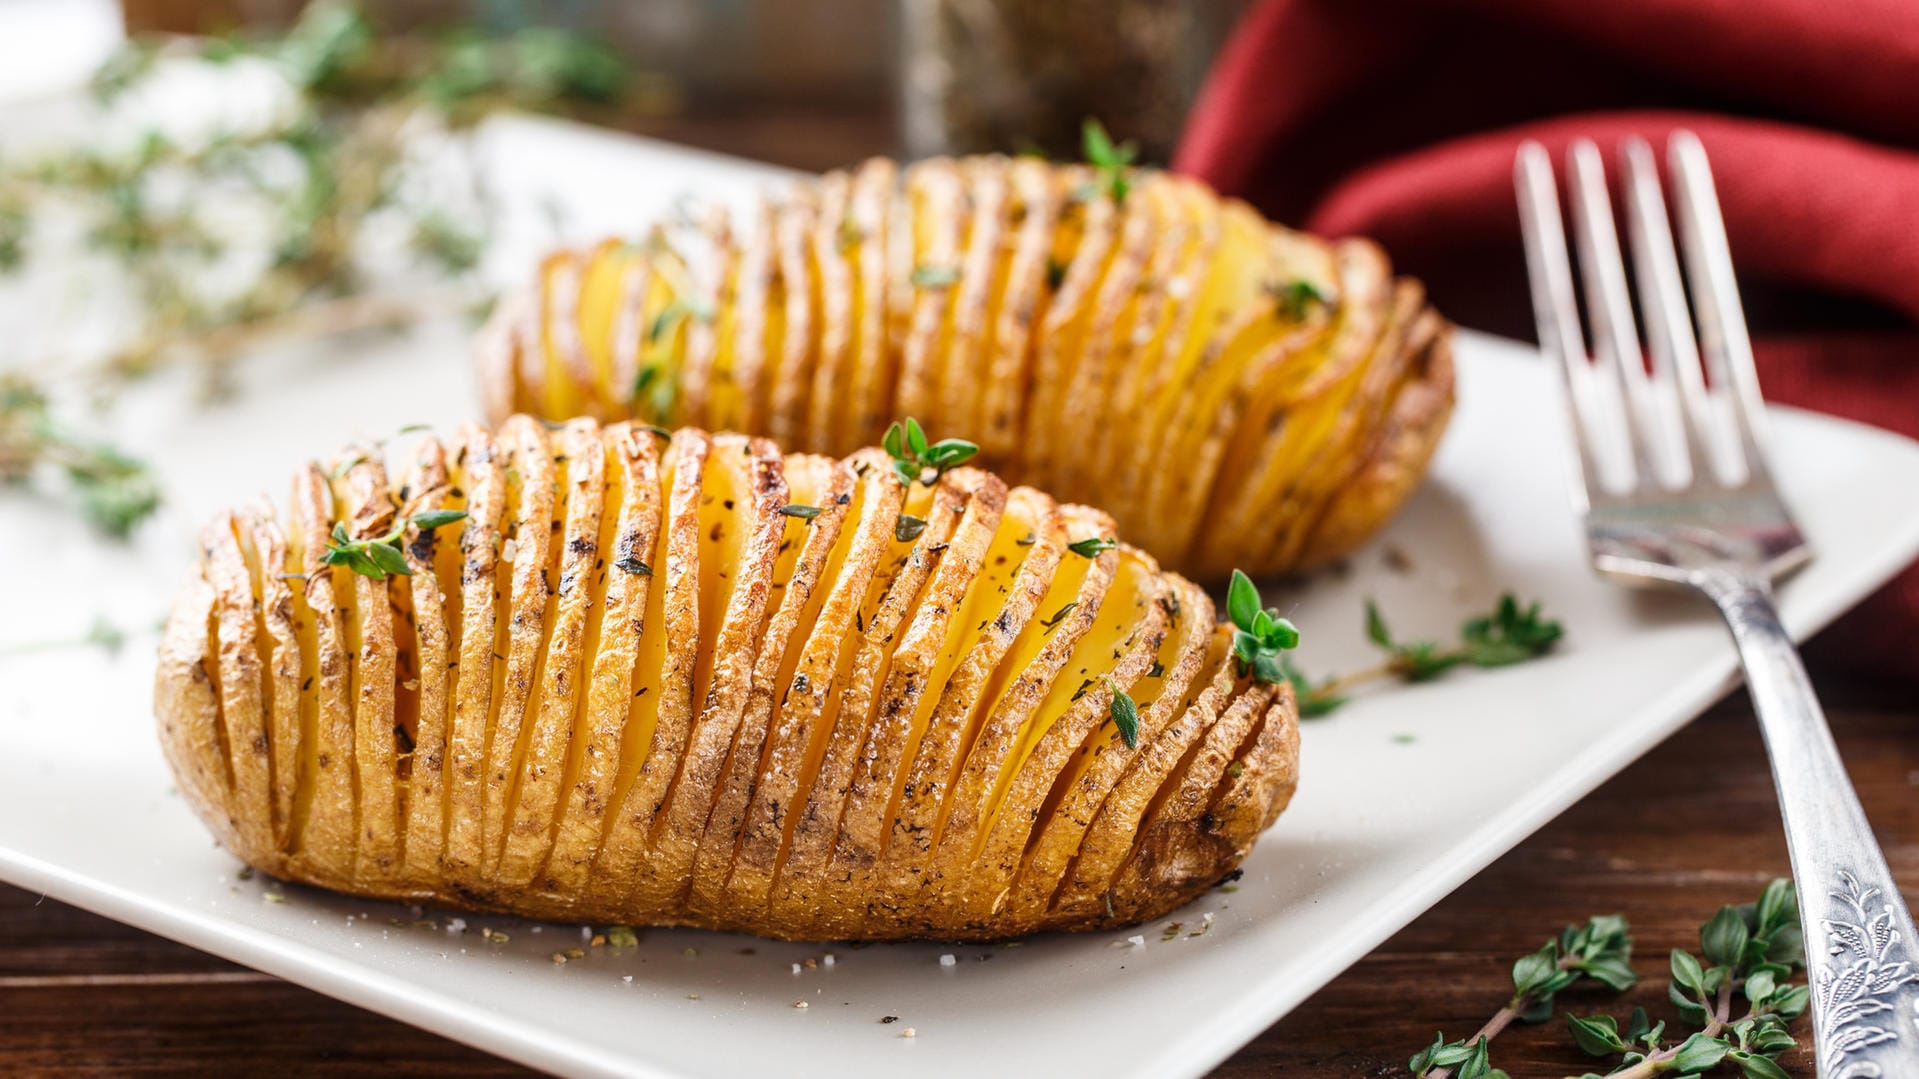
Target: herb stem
x=1501, y=1019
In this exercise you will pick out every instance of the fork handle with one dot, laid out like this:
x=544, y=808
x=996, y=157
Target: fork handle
x=1859, y=936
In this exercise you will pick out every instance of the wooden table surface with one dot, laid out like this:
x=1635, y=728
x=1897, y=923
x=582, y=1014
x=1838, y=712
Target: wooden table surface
x=1691, y=826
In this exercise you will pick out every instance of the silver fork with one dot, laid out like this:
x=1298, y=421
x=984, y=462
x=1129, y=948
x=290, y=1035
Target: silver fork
x=1675, y=489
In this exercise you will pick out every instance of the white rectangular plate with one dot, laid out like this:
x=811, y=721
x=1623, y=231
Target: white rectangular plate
x=1406, y=793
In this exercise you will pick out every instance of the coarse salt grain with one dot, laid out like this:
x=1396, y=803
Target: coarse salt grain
x=947, y=960
x=909, y=1032
x=586, y=932
x=1136, y=941
x=796, y=968
x=828, y=961
x=627, y=978
x=800, y=1004
x=456, y=925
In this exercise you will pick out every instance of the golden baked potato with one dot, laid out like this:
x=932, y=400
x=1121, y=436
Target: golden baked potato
x=604, y=675
x=1236, y=394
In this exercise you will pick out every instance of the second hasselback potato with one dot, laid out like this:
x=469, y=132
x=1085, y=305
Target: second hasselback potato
x=1236, y=394
x=599, y=675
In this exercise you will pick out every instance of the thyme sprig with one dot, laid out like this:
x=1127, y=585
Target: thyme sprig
x=1112, y=164
x=1260, y=635
x=1507, y=635
x=114, y=491
x=915, y=460
x=313, y=182
x=1752, y=949
x=380, y=557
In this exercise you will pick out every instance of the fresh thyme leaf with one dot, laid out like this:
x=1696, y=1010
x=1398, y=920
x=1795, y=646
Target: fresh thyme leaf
x=1092, y=546
x=1125, y=715
x=380, y=557
x=1055, y=274
x=1059, y=615
x=908, y=528
x=1737, y=942
x=1260, y=634
x=915, y=460
x=1113, y=164
x=634, y=566
x=804, y=513
x=930, y=276
x=1293, y=300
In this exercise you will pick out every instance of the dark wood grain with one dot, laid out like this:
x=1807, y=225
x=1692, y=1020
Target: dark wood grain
x=1689, y=827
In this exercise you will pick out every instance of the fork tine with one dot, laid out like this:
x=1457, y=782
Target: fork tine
x=1615, y=340
x=1722, y=322
x=1669, y=334
x=1554, y=308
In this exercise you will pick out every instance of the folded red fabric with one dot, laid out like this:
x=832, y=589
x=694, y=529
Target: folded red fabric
x=1399, y=120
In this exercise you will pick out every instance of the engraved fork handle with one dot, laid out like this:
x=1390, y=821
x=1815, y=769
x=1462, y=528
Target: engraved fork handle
x=1859, y=935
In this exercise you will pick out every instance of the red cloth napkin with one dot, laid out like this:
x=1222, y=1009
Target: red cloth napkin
x=1398, y=119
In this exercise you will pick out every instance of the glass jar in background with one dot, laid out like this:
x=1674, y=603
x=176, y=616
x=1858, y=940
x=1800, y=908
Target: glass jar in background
x=1018, y=75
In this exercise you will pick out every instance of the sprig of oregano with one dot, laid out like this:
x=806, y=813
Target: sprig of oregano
x=1507, y=635
x=1260, y=635
x=915, y=460
x=380, y=557
x=1112, y=164
x=1753, y=948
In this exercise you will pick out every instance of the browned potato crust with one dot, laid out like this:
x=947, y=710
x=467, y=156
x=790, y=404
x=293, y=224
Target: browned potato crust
x=1236, y=394
x=691, y=681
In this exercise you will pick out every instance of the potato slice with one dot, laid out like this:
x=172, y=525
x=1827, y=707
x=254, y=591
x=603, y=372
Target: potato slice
x=937, y=195
x=540, y=764
x=1035, y=204
x=1068, y=320
x=791, y=362
x=661, y=712
x=960, y=353
x=242, y=698
x=832, y=256
x=872, y=364
x=801, y=565
x=480, y=474
x=804, y=722
x=629, y=538
x=434, y=617
x=1016, y=573
x=326, y=808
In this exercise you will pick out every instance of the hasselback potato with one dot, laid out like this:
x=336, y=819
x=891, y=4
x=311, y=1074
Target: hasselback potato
x=608, y=675
x=1236, y=394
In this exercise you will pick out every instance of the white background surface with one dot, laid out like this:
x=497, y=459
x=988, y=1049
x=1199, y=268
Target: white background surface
x=1405, y=793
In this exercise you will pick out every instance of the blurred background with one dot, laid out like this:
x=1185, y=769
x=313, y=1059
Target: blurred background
x=818, y=83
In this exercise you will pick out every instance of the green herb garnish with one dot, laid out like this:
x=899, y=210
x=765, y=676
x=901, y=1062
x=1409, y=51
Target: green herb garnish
x=380, y=557
x=915, y=460
x=1113, y=163
x=931, y=276
x=1293, y=300
x=1509, y=634
x=1125, y=715
x=908, y=528
x=635, y=566
x=1092, y=546
x=804, y=513
x=1260, y=635
x=1059, y=615
x=1751, y=952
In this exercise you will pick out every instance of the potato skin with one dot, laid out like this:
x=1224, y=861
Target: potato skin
x=657, y=697
x=1172, y=356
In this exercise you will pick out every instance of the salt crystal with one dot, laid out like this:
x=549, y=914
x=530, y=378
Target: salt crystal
x=828, y=960
x=947, y=960
x=1136, y=941
x=586, y=932
x=457, y=925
